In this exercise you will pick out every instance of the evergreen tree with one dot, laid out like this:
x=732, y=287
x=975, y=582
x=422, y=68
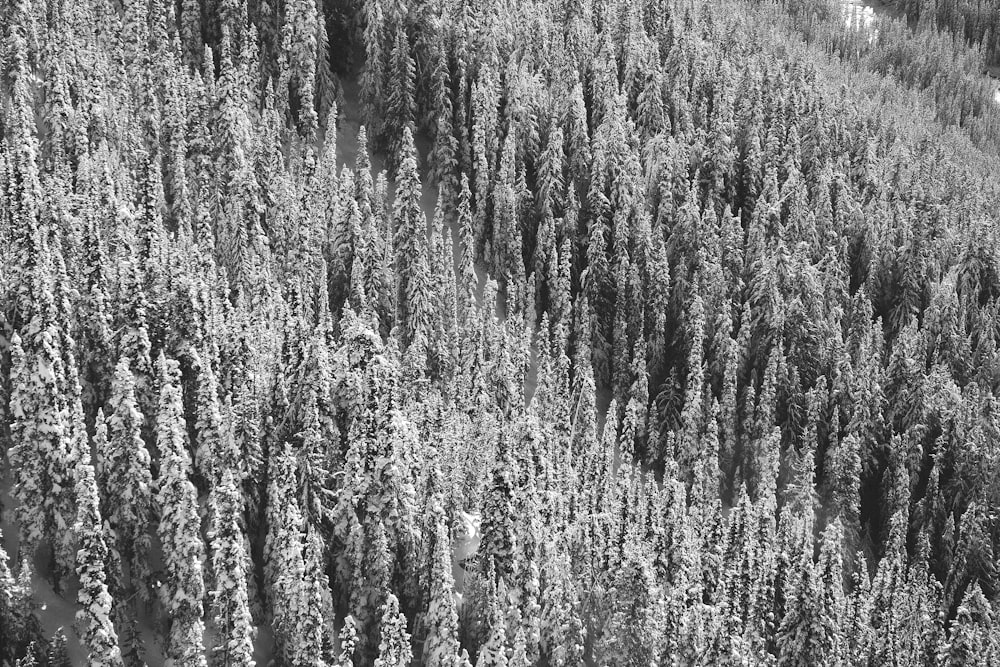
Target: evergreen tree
x=98, y=633
x=284, y=565
x=42, y=454
x=394, y=642
x=400, y=98
x=298, y=36
x=410, y=241
x=805, y=636
x=230, y=566
x=972, y=639
x=498, y=542
x=313, y=611
x=126, y=479
x=348, y=643
x=180, y=526
x=441, y=644
x=634, y=628
x=58, y=653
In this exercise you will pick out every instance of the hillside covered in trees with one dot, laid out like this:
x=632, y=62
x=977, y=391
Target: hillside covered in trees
x=444, y=333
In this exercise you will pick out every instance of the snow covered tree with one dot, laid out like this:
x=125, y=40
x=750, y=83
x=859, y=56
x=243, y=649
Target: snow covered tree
x=805, y=636
x=633, y=632
x=126, y=479
x=210, y=456
x=498, y=543
x=26, y=459
x=394, y=641
x=19, y=625
x=348, y=643
x=413, y=300
x=467, y=264
x=372, y=76
x=42, y=455
x=98, y=632
x=400, y=100
x=58, y=653
x=284, y=565
x=298, y=36
x=312, y=608
x=441, y=644
x=972, y=639
x=230, y=565
x=180, y=526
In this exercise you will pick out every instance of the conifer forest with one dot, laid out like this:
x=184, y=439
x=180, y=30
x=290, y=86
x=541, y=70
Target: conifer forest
x=499, y=333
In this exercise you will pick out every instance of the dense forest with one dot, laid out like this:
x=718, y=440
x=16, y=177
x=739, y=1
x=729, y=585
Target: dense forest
x=977, y=22
x=338, y=333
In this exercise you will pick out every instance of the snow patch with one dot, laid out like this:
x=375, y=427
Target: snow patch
x=467, y=537
x=860, y=17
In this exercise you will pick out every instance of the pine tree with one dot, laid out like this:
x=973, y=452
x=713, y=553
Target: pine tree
x=27, y=461
x=23, y=193
x=348, y=643
x=134, y=338
x=467, y=278
x=284, y=564
x=190, y=29
x=493, y=651
x=551, y=182
x=632, y=635
x=126, y=479
x=394, y=641
x=298, y=36
x=95, y=333
x=400, y=103
x=441, y=644
x=327, y=84
x=498, y=542
x=14, y=610
x=410, y=242
x=98, y=633
x=444, y=153
x=230, y=565
x=180, y=526
x=313, y=612
x=804, y=635
x=211, y=455
x=372, y=76
x=562, y=631
x=43, y=434
x=58, y=653
x=972, y=639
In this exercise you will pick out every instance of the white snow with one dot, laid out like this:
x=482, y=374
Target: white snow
x=859, y=16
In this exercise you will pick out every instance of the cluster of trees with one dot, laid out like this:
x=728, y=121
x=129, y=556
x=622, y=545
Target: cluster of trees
x=949, y=73
x=977, y=22
x=704, y=327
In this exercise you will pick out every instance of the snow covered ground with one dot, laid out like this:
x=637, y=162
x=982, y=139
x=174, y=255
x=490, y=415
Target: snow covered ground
x=859, y=16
